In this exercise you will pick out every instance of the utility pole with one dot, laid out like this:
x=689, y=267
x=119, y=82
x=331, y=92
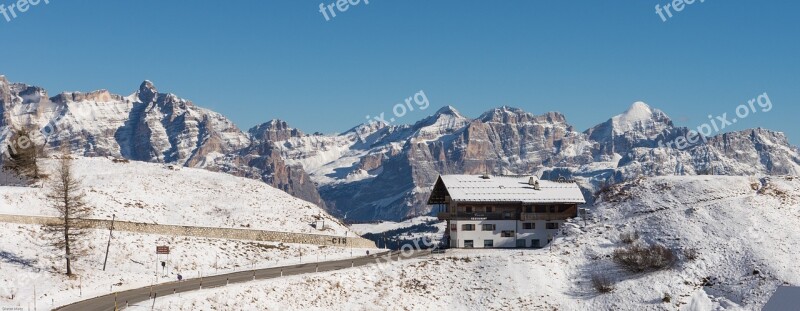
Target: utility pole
x=110, y=233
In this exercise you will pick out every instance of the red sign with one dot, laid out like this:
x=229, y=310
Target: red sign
x=162, y=250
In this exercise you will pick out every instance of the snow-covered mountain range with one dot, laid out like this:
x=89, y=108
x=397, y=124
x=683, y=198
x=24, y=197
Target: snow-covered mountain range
x=389, y=173
x=383, y=171
x=145, y=126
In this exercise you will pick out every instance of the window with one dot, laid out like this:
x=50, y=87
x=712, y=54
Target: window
x=535, y=243
x=468, y=244
x=453, y=227
x=488, y=243
x=507, y=234
x=552, y=225
x=541, y=209
x=521, y=243
x=488, y=227
x=552, y=208
x=489, y=209
x=468, y=227
x=529, y=209
x=528, y=226
x=468, y=209
x=506, y=215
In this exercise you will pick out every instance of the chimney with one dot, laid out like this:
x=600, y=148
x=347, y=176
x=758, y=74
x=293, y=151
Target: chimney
x=533, y=181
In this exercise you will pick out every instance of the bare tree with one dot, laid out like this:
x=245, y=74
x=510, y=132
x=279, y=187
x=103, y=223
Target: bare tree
x=68, y=199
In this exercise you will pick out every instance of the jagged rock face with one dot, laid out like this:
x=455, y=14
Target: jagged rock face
x=378, y=171
x=263, y=161
x=274, y=130
x=639, y=126
x=145, y=126
x=749, y=152
x=388, y=172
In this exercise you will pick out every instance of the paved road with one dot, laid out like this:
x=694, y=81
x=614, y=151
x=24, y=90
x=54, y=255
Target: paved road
x=105, y=303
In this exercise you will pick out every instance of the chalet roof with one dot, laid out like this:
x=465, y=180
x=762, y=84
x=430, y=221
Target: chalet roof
x=478, y=188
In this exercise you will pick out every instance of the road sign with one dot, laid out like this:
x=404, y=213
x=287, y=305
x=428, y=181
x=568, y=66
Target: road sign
x=162, y=250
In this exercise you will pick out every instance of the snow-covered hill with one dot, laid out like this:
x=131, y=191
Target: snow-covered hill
x=742, y=232
x=165, y=194
x=28, y=265
x=152, y=193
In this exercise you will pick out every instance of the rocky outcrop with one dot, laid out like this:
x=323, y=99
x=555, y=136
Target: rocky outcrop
x=147, y=126
x=274, y=130
x=380, y=171
x=264, y=161
x=394, y=167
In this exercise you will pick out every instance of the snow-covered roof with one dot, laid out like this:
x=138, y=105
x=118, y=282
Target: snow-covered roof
x=478, y=188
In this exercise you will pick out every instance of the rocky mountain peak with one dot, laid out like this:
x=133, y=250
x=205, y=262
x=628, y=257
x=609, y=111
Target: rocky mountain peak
x=147, y=92
x=512, y=115
x=502, y=114
x=445, y=119
x=448, y=110
x=640, y=117
x=274, y=130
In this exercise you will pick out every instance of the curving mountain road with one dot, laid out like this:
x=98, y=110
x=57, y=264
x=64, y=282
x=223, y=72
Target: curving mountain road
x=108, y=302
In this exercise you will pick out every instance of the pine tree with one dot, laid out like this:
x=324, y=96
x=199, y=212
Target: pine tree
x=68, y=234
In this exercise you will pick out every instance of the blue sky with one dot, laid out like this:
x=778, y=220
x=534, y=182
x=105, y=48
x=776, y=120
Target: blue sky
x=258, y=60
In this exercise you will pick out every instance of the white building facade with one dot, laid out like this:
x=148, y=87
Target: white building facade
x=503, y=211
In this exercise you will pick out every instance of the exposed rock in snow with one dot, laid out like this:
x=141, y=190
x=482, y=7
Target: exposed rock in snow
x=380, y=171
x=145, y=126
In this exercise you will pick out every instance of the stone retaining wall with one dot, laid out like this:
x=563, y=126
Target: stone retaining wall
x=207, y=232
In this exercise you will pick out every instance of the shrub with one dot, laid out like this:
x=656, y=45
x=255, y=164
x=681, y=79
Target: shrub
x=641, y=258
x=602, y=283
x=667, y=298
x=691, y=254
x=629, y=237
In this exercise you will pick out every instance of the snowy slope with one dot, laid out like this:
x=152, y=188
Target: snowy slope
x=154, y=193
x=26, y=262
x=744, y=231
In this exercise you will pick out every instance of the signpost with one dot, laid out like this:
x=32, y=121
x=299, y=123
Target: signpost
x=161, y=250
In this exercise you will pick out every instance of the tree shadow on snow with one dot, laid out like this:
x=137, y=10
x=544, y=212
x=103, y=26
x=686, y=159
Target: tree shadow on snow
x=16, y=260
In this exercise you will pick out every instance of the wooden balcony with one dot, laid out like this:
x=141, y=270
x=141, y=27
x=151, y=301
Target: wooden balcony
x=547, y=216
x=478, y=216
